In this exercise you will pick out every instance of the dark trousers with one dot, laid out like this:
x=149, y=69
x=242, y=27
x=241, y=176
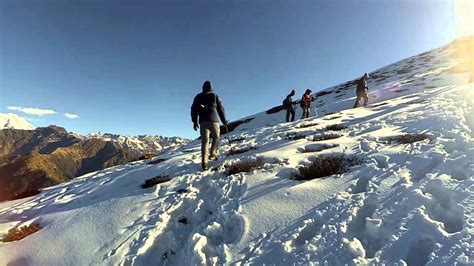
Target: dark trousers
x=288, y=112
x=361, y=95
x=306, y=112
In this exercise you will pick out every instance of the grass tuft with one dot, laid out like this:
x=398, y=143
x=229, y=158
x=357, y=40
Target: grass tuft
x=318, y=148
x=336, y=127
x=18, y=233
x=408, y=138
x=244, y=166
x=235, y=150
x=147, y=156
x=238, y=139
x=328, y=136
x=307, y=125
x=295, y=136
x=327, y=165
x=155, y=180
x=157, y=161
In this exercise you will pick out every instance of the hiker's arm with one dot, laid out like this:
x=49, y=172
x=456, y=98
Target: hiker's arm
x=221, y=110
x=195, y=110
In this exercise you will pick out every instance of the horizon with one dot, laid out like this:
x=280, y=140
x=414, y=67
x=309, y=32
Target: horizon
x=134, y=68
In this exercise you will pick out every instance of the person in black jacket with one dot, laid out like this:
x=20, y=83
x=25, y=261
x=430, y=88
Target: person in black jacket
x=206, y=111
x=361, y=90
x=288, y=105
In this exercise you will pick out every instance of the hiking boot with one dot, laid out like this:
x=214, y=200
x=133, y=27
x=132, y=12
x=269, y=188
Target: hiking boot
x=204, y=166
x=213, y=158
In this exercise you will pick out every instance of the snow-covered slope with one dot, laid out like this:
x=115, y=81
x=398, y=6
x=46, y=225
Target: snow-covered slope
x=14, y=121
x=407, y=203
x=440, y=67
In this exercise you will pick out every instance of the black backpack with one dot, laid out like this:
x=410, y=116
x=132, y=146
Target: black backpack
x=286, y=103
x=207, y=108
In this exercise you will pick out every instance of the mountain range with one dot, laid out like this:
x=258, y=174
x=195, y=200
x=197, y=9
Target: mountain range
x=31, y=159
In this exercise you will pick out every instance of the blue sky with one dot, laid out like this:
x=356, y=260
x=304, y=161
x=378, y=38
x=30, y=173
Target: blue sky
x=134, y=67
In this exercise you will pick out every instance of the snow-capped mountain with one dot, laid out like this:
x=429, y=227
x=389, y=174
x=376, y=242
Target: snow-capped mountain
x=14, y=121
x=143, y=143
x=405, y=196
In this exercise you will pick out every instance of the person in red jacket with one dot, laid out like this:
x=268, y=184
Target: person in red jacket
x=306, y=103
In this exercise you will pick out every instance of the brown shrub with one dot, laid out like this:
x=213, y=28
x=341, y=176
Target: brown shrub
x=294, y=136
x=18, y=233
x=148, y=156
x=336, y=127
x=322, y=137
x=239, y=139
x=308, y=125
x=326, y=166
x=244, y=166
x=155, y=180
x=157, y=161
x=235, y=150
x=408, y=138
x=319, y=148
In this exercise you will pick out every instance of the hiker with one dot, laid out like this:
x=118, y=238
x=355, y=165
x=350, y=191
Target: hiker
x=288, y=105
x=206, y=111
x=306, y=103
x=361, y=90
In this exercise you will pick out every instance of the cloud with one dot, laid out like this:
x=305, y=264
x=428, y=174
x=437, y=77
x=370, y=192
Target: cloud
x=32, y=111
x=71, y=116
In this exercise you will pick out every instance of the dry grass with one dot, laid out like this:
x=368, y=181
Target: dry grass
x=244, y=166
x=157, y=161
x=294, y=136
x=326, y=166
x=308, y=125
x=239, y=139
x=336, y=127
x=148, y=156
x=235, y=150
x=319, y=148
x=408, y=138
x=322, y=137
x=155, y=180
x=18, y=233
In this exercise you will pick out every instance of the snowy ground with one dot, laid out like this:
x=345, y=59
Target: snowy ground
x=407, y=204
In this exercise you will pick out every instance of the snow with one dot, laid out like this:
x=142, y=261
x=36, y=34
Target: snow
x=407, y=204
x=14, y=121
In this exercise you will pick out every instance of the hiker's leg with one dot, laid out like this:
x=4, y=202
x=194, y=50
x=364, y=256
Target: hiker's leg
x=366, y=98
x=204, y=142
x=288, y=115
x=292, y=114
x=215, y=132
x=308, y=110
x=357, y=100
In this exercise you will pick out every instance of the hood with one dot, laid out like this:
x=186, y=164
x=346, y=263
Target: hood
x=207, y=86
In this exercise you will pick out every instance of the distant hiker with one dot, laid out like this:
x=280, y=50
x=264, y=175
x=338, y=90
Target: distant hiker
x=361, y=90
x=288, y=106
x=206, y=110
x=306, y=103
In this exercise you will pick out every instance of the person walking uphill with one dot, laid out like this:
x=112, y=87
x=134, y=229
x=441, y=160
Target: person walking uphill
x=306, y=103
x=288, y=105
x=361, y=90
x=206, y=111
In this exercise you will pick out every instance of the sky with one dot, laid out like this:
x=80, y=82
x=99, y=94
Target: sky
x=134, y=67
